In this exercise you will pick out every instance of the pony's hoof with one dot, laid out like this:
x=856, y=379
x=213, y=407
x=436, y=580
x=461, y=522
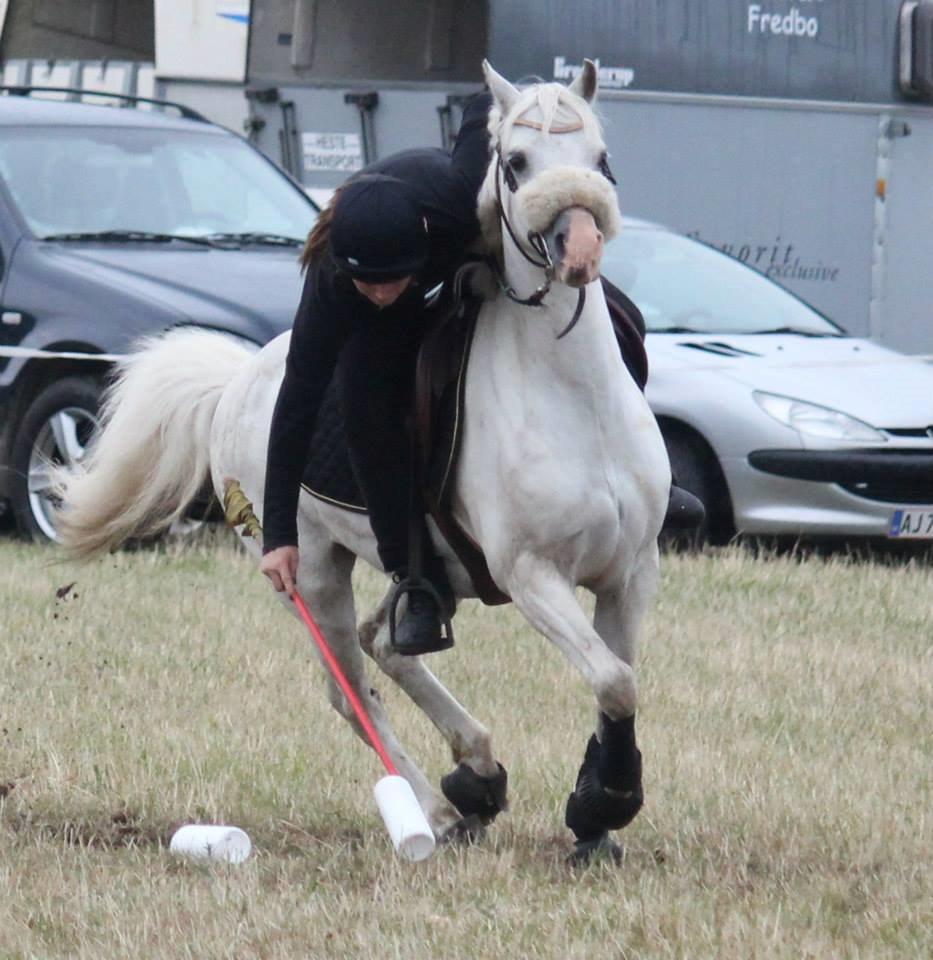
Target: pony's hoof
x=601, y=849
x=466, y=832
x=473, y=795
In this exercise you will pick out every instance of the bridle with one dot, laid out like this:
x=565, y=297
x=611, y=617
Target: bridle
x=537, y=241
x=535, y=238
x=538, y=244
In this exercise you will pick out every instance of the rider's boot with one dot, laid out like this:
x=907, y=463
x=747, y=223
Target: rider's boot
x=684, y=510
x=421, y=630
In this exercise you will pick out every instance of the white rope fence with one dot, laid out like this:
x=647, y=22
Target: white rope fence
x=27, y=353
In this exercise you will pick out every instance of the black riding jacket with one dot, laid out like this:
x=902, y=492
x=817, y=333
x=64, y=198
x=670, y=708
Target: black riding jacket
x=331, y=310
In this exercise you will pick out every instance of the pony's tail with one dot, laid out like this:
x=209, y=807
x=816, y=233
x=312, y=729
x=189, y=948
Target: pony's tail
x=152, y=455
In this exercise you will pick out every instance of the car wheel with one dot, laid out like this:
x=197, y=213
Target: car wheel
x=694, y=468
x=55, y=431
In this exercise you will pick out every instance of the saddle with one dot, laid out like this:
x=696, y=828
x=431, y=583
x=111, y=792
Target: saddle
x=437, y=422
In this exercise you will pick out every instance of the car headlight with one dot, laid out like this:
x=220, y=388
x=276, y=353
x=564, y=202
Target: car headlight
x=816, y=421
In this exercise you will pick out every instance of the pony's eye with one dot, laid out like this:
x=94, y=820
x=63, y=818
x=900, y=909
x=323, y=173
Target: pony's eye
x=604, y=168
x=518, y=162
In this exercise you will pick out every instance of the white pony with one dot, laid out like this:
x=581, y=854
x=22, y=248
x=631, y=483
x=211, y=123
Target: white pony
x=562, y=480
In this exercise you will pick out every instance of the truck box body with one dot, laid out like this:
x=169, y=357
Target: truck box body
x=795, y=134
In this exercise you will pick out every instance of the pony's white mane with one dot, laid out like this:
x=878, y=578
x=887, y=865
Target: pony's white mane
x=556, y=105
x=553, y=106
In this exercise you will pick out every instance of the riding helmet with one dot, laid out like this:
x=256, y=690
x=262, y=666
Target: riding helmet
x=378, y=233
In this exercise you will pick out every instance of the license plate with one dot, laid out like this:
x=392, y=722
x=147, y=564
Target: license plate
x=912, y=525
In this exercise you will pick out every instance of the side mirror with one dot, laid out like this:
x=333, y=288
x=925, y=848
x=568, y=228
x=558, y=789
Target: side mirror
x=916, y=48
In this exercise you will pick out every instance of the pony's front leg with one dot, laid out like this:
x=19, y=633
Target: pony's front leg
x=325, y=581
x=607, y=794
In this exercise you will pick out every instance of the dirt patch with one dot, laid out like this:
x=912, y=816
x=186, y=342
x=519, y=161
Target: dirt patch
x=121, y=829
x=62, y=592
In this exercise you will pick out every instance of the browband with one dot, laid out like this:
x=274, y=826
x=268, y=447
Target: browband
x=566, y=128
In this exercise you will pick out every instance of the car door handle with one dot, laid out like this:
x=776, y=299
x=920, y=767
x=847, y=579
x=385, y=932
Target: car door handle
x=11, y=318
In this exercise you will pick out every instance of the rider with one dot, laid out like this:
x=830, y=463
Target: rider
x=389, y=237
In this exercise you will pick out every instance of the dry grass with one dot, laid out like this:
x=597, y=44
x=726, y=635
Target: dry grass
x=785, y=722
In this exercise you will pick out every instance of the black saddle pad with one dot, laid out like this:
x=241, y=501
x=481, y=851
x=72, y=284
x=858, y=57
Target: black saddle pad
x=328, y=475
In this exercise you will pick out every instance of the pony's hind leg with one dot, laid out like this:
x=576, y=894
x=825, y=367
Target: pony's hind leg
x=325, y=580
x=478, y=785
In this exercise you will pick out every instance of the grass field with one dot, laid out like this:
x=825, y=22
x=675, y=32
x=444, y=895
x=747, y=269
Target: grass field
x=785, y=722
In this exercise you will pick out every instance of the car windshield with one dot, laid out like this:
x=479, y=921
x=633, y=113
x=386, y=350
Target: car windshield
x=682, y=286
x=87, y=180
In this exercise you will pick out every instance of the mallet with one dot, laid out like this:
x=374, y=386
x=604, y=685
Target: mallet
x=408, y=827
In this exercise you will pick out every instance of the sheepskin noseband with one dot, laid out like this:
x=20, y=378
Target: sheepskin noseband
x=543, y=197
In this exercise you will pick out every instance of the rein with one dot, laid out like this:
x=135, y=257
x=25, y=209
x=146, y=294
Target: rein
x=539, y=246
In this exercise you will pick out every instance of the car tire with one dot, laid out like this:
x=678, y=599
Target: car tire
x=694, y=467
x=57, y=427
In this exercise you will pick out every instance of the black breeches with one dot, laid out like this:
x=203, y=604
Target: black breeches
x=376, y=374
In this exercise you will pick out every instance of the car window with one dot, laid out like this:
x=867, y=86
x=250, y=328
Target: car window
x=165, y=181
x=682, y=285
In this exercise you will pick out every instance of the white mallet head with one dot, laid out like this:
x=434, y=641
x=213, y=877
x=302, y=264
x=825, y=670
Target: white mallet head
x=408, y=827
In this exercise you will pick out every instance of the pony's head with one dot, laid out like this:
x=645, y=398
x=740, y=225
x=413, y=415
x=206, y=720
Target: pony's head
x=550, y=174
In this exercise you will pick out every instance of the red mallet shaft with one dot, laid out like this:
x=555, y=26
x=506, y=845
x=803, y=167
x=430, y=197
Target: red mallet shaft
x=408, y=827
x=344, y=684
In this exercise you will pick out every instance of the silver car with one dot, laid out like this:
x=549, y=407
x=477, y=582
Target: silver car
x=776, y=418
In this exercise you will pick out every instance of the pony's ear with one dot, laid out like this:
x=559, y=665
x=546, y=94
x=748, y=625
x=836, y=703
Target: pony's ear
x=586, y=81
x=502, y=90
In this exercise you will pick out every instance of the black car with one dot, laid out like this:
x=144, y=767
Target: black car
x=116, y=224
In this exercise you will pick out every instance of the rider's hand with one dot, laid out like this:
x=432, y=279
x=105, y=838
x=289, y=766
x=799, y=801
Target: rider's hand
x=281, y=567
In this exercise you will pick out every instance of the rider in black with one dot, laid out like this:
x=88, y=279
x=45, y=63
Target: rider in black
x=391, y=236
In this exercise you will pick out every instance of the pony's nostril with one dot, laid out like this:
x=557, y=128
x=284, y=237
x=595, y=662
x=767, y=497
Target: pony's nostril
x=561, y=244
